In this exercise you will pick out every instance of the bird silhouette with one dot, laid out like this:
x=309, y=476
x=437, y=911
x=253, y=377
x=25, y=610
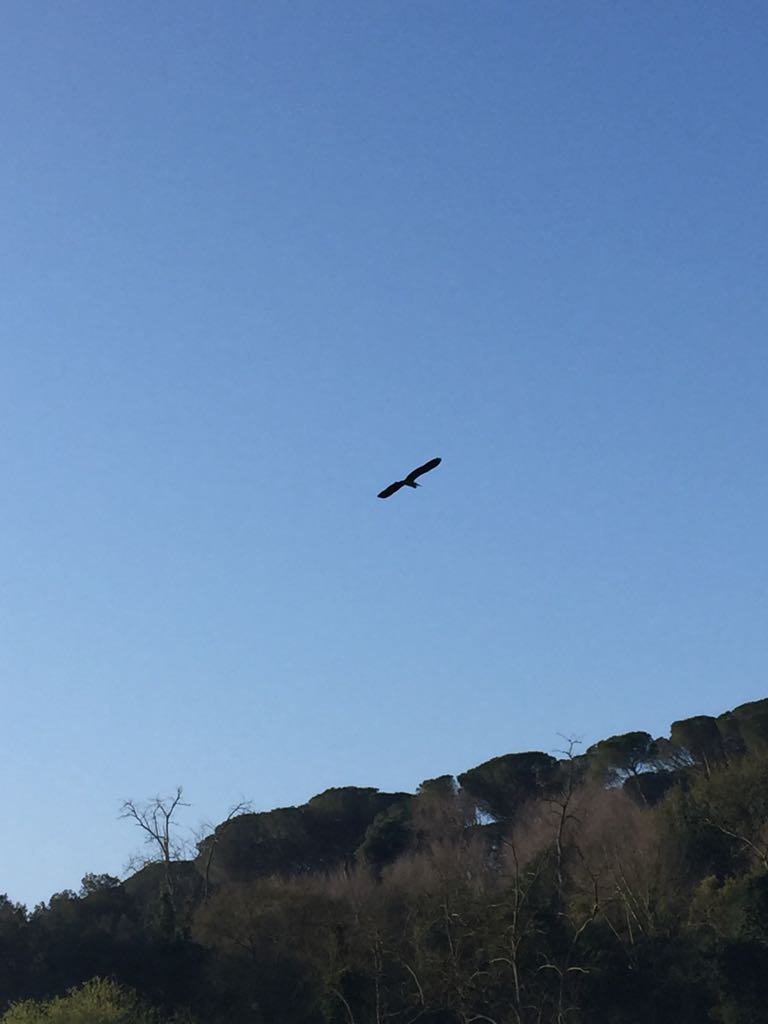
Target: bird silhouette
x=410, y=480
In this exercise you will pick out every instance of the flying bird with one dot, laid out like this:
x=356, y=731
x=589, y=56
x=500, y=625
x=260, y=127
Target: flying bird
x=410, y=480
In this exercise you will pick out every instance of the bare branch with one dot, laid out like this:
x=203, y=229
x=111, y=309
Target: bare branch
x=155, y=818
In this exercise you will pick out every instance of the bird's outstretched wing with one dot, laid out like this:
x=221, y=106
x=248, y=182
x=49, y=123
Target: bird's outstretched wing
x=422, y=469
x=391, y=489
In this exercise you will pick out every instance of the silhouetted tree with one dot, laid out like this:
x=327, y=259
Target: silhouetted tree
x=617, y=757
x=700, y=738
x=157, y=820
x=92, y=884
x=502, y=785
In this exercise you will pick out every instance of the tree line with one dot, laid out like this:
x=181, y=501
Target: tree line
x=625, y=883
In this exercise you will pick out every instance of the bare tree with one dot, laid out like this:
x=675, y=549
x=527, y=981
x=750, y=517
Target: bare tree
x=520, y=874
x=561, y=806
x=155, y=817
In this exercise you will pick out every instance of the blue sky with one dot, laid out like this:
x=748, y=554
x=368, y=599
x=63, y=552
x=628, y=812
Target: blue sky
x=259, y=260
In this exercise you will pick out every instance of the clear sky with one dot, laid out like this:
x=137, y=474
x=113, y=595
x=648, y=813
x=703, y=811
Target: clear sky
x=258, y=260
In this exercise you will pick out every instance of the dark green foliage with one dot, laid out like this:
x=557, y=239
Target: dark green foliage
x=504, y=784
x=700, y=738
x=649, y=787
x=612, y=760
x=752, y=722
x=317, y=836
x=664, y=979
x=754, y=733
x=339, y=819
x=743, y=970
x=387, y=837
x=700, y=849
x=16, y=950
x=729, y=727
x=93, y=884
x=253, y=845
x=442, y=786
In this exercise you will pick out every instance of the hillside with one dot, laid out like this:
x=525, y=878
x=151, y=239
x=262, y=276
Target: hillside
x=625, y=883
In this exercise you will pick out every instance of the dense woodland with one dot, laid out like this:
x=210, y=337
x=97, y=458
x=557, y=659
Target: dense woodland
x=625, y=883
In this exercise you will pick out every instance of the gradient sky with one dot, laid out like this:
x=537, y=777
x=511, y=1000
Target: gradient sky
x=259, y=259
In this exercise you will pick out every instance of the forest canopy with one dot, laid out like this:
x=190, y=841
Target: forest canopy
x=625, y=883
